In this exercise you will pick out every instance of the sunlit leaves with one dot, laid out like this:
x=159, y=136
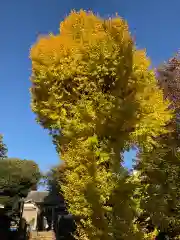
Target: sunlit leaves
x=92, y=84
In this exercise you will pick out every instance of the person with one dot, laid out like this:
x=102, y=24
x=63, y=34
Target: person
x=66, y=227
x=162, y=236
x=5, y=223
x=46, y=225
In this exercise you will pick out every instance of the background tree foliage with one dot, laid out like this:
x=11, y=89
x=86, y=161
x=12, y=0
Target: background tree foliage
x=55, y=178
x=3, y=148
x=17, y=178
x=95, y=93
x=159, y=169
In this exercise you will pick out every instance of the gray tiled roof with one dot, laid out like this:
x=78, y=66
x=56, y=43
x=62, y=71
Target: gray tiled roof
x=37, y=196
x=44, y=197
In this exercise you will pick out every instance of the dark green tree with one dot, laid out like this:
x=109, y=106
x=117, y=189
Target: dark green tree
x=159, y=170
x=3, y=148
x=17, y=178
x=53, y=180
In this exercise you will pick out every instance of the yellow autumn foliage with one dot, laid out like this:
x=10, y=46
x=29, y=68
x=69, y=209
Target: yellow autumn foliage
x=96, y=94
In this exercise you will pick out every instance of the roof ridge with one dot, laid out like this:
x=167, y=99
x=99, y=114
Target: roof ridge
x=38, y=191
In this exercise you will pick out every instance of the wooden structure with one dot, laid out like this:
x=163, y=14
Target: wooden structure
x=41, y=209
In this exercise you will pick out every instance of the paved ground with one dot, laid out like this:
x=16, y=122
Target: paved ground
x=42, y=235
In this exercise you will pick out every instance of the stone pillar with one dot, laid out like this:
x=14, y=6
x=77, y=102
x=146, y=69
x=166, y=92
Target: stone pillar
x=35, y=222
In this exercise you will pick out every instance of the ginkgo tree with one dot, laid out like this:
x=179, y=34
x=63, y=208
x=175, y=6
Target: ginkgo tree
x=94, y=92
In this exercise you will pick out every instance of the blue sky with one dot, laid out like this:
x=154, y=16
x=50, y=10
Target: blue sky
x=155, y=25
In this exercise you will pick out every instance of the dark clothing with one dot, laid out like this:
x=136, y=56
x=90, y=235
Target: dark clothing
x=66, y=227
x=4, y=223
x=4, y=227
x=162, y=236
